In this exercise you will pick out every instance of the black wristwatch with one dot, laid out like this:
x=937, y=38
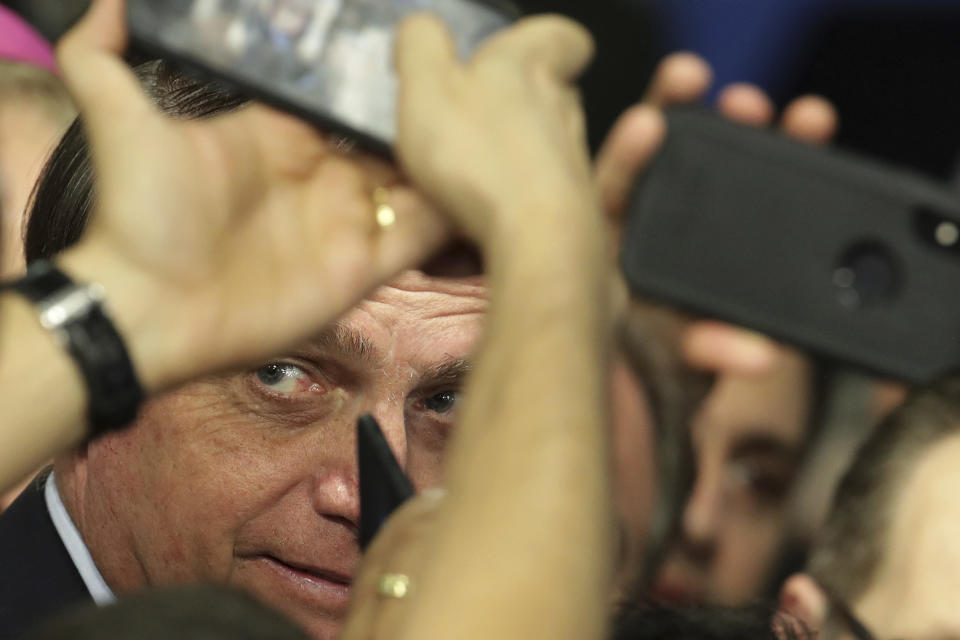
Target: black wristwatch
x=74, y=314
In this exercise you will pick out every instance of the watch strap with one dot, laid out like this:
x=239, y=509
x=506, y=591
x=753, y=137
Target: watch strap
x=74, y=313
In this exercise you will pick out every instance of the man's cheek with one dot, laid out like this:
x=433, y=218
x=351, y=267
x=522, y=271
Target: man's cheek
x=425, y=467
x=203, y=463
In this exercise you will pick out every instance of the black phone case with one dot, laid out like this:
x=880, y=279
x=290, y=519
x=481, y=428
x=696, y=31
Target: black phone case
x=383, y=484
x=827, y=250
x=145, y=38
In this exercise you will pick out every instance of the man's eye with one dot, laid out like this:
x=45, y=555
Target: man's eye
x=442, y=402
x=283, y=378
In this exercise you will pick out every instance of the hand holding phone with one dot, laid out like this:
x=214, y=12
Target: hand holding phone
x=327, y=61
x=853, y=259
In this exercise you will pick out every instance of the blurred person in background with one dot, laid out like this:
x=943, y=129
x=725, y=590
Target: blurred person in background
x=750, y=433
x=35, y=109
x=654, y=621
x=750, y=436
x=885, y=564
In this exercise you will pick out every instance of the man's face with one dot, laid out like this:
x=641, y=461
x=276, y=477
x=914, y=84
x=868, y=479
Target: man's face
x=915, y=591
x=748, y=439
x=250, y=478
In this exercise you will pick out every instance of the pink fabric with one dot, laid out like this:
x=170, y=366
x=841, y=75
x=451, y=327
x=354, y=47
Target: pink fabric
x=21, y=43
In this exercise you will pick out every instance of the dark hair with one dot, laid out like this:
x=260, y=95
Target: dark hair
x=649, y=621
x=190, y=613
x=63, y=197
x=853, y=541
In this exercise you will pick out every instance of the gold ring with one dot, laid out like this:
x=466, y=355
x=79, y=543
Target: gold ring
x=385, y=214
x=394, y=585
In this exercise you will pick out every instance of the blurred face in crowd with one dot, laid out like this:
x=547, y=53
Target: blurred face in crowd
x=916, y=587
x=748, y=437
x=250, y=478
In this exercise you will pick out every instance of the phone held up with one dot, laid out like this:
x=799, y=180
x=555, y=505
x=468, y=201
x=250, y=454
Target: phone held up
x=327, y=61
x=850, y=258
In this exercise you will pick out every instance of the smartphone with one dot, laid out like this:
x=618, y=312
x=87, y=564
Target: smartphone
x=853, y=259
x=383, y=484
x=327, y=61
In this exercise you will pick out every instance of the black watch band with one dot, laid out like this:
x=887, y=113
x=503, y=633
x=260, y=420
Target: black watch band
x=74, y=313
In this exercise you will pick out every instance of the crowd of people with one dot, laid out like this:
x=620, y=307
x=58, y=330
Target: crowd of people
x=204, y=295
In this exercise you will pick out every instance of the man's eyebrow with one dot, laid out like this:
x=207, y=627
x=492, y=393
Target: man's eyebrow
x=449, y=373
x=347, y=342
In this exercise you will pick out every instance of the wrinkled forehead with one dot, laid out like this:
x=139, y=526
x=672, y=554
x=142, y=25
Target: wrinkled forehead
x=917, y=587
x=419, y=314
x=428, y=296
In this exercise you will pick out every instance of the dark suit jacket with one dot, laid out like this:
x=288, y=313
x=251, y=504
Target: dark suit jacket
x=37, y=576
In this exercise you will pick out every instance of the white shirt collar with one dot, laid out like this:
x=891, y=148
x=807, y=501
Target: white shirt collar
x=96, y=585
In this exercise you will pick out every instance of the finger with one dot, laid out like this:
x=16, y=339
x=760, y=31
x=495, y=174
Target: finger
x=562, y=46
x=718, y=347
x=398, y=548
x=106, y=91
x=425, y=53
x=426, y=61
x=811, y=119
x=679, y=78
x=746, y=104
x=418, y=232
x=629, y=147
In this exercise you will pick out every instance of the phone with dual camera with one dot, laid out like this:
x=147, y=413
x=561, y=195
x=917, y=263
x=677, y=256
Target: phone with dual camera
x=327, y=61
x=853, y=259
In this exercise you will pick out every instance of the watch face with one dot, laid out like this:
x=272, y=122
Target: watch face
x=332, y=58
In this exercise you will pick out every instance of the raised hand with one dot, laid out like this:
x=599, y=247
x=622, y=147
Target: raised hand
x=684, y=78
x=247, y=231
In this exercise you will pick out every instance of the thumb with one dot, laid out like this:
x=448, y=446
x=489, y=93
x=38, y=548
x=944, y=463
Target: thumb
x=563, y=46
x=104, y=88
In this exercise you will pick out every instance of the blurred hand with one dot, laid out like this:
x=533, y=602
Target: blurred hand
x=636, y=137
x=490, y=137
x=245, y=232
x=400, y=548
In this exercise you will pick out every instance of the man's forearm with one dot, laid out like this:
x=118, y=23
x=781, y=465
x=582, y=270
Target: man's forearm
x=529, y=509
x=43, y=397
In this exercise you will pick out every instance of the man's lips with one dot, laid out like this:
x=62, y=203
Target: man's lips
x=317, y=573
x=320, y=588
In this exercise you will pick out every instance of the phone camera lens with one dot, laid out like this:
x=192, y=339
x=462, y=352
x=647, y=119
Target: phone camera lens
x=867, y=274
x=939, y=229
x=947, y=234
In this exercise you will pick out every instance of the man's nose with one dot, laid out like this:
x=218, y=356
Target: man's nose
x=337, y=488
x=390, y=417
